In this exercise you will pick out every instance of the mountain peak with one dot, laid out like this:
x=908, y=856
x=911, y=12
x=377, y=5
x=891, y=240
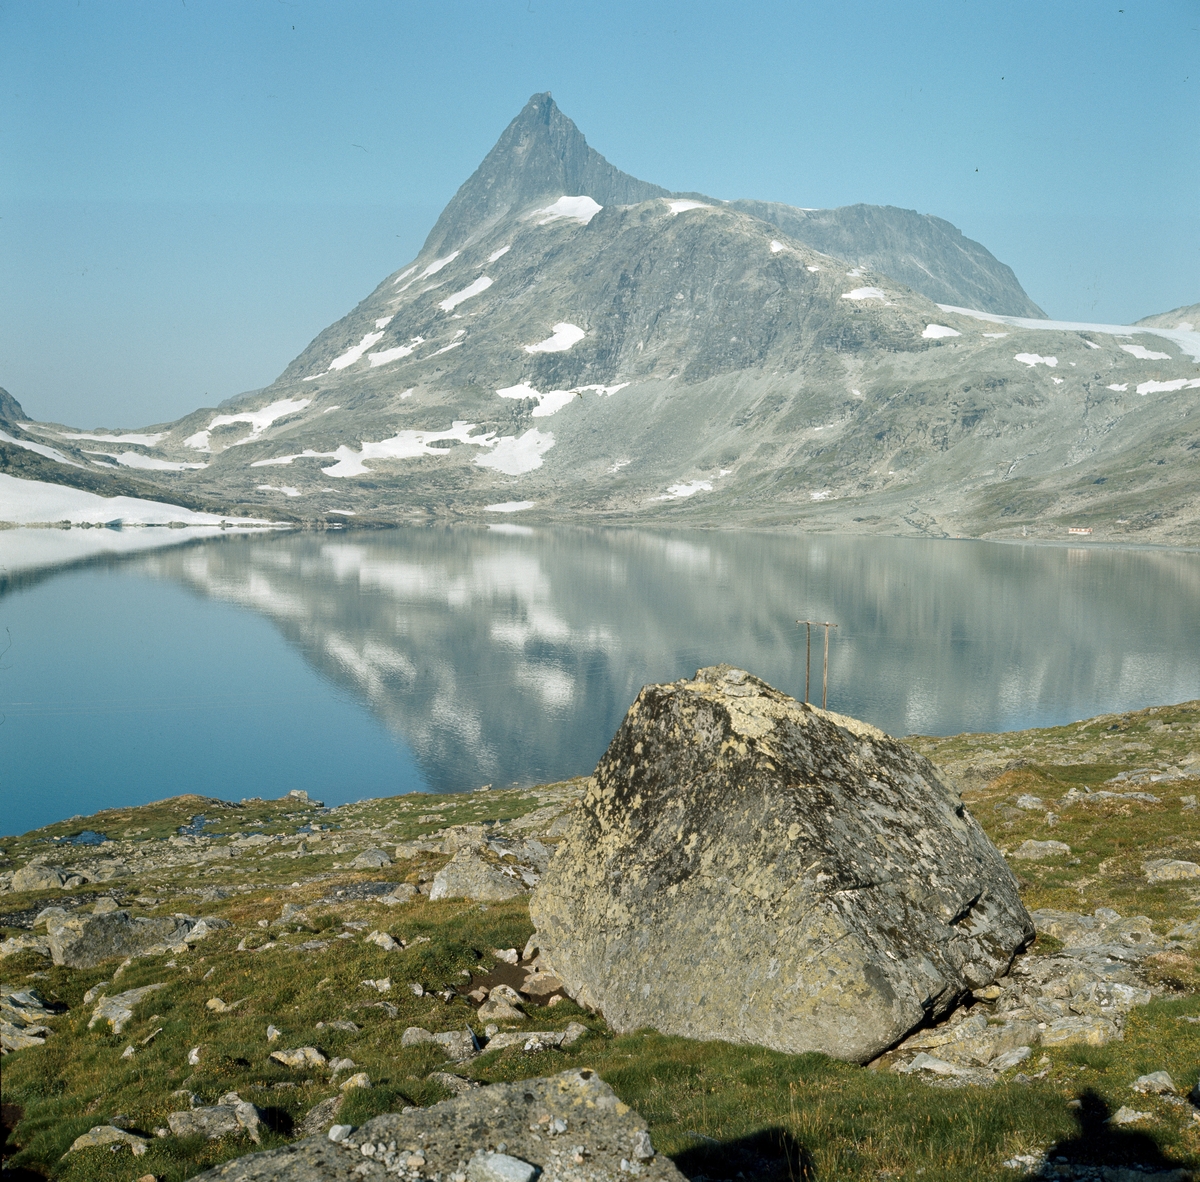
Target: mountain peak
x=540, y=155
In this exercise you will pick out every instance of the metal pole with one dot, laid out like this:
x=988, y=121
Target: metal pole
x=825, y=670
x=807, y=657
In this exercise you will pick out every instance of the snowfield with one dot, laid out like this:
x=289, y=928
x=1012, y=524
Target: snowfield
x=42, y=450
x=515, y=454
x=580, y=209
x=473, y=289
x=1144, y=354
x=934, y=332
x=259, y=420
x=865, y=293
x=685, y=489
x=565, y=335
x=27, y=501
x=404, y=445
x=135, y=459
x=510, y=506
x=1032, y=359
x=1168, y=387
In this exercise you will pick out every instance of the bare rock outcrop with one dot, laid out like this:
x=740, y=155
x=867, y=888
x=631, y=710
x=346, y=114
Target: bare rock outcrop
x=749, y=868
x=566, y=1126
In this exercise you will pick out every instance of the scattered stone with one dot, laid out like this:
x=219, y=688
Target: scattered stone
x=291, y=914
x=217, y=1006
x=340, y=1024
x=321, y=1116
x=458, y=1045
x=232, y=1115
x=384, y=941
x=1128, y=1116
x=13, y=945
x=300, y=1057
x=371, y=859
x=454, y=1084
x=926, y=1062
x=1026, y=801
x=468, y=876
x=541, y=985
x=339, y=1065
x=360, y=1079
x=1170, y=870
x=416, y=988
x=538, y=1040
x=104, y=905
x=1079, y=1031
x=39, y=878
x=193, y=1057
x=1185, y=931
x=466, y=1137
x=507, y=955
x=46, y=914
x=383, y=984
x=1104, y=930
x=103, y=1135
x=748, y=868
x=1157, y=1083
x=23, y=1013
x=404, y=893
x=117, y=1011
x=1037, y=851
x=501, y=1005
x=84, y=941
x=273, y=1032
x=1010, y=1059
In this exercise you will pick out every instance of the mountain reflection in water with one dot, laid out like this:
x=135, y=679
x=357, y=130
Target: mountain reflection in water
x=511, y=654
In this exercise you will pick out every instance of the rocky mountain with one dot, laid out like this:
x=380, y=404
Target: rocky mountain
x=575, y=344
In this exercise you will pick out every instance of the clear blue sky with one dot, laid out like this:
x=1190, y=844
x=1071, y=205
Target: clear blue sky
x=192, y=189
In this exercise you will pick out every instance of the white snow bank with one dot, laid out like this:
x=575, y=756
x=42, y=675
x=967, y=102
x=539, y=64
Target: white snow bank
x=42, y=450
x=554, y=401
x=995, y=335
x=286, y=489
x=934, y=331
x=565, y=335
x=135, y=459
x=447, y=348
x=496, y=254
x=581, y=209
x=403, y=276
x=472, y=289
x=1186, y=339
x=384, y=321
x=1090, y=344
x=522, y=390
x=510, y=506
x=1168, y=387
x=307, y=453
x=25, y=501
x=355, y=352
x=812, y=268
x=865, y=293
x=603, y=391
x=259, y=421
x=1120, y=389
x=821, y=495
x=685, y=489
x=1032, y=359
x=776, y=246
x=386, y=355
x=437, y=265
x=404, y=445
x=132, y=437
x=1144, y=354
x=515, y=454
x=684, y=206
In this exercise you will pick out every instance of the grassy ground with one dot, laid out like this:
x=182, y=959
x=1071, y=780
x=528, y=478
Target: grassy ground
x=719, y=1110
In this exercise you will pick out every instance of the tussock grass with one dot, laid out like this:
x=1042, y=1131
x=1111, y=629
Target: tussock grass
x=719, y=1110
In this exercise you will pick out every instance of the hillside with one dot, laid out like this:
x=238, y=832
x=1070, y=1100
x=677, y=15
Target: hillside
x=578, y=345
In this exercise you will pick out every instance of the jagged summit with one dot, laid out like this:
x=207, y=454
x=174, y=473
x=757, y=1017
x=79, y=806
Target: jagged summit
x=541, y=154
x=10, y=408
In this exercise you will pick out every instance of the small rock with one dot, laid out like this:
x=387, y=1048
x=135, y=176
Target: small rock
x=383, y=940
x=499, y=1167
x=1157, y=1083
x=1170, y=870
x=469, y=876
x=384, y=984
x=1128, y=1116
x=541, y=985
x=338, y=1065
x=416, y=988
x=1082, y=1031
x=458, y=1045
x=507, y=955
x=1010, y=1059
x=1026, y=801
x=1037, y=851
x=320, y=1116
x=109, y=1135
x=924, y=1062
x=46, y=914
x=454, y=1084
x=218, y=1120
x=340, y=1024
x=273, y=1032
x=404, y=893
x=193, y=1057
x=300, y=1057
x=497, y=1009
x=104, y=905
x=360, y=1079
x=118, y=1010
x=340, y=1132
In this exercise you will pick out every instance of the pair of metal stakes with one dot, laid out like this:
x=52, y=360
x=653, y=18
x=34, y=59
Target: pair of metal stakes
x=808, y=627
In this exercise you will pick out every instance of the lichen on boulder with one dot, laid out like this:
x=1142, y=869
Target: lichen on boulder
x=749, y=868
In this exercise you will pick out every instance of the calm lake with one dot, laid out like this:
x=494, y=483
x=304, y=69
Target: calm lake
x=362, y=664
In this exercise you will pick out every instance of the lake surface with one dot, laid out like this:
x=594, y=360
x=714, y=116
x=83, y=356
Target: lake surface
x=365, y=663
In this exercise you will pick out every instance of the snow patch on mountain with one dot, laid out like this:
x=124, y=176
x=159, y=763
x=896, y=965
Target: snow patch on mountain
x=510, y=507
x=496, y=254
x=776, y=246
x=683, y=206
x=355, y=353
x=515, y=454
x=565, y=335
x=685, y=489
x=1168, y=387
x=403, y=276
x=935, y=331
x=259, y=420
x=286, y=489
x=135, y=459
x=1144, y=354
x=1032, y=359
x=404, y=445
x=472, y=289
x=42, y=450
x=437, y=265
x=132, y=437
x=307, y=453
x=580, y=209
x=864, y=293
x=386, y=355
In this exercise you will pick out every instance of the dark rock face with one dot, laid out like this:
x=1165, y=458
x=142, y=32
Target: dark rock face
x=540, y=154
x=924, y=252
x=566, y=1126
x=749, y=868
x=10, y=408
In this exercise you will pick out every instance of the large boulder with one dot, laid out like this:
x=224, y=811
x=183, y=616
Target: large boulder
x=748, y=868
x=469, y=876
x=569, y=1125
x=84, y=941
